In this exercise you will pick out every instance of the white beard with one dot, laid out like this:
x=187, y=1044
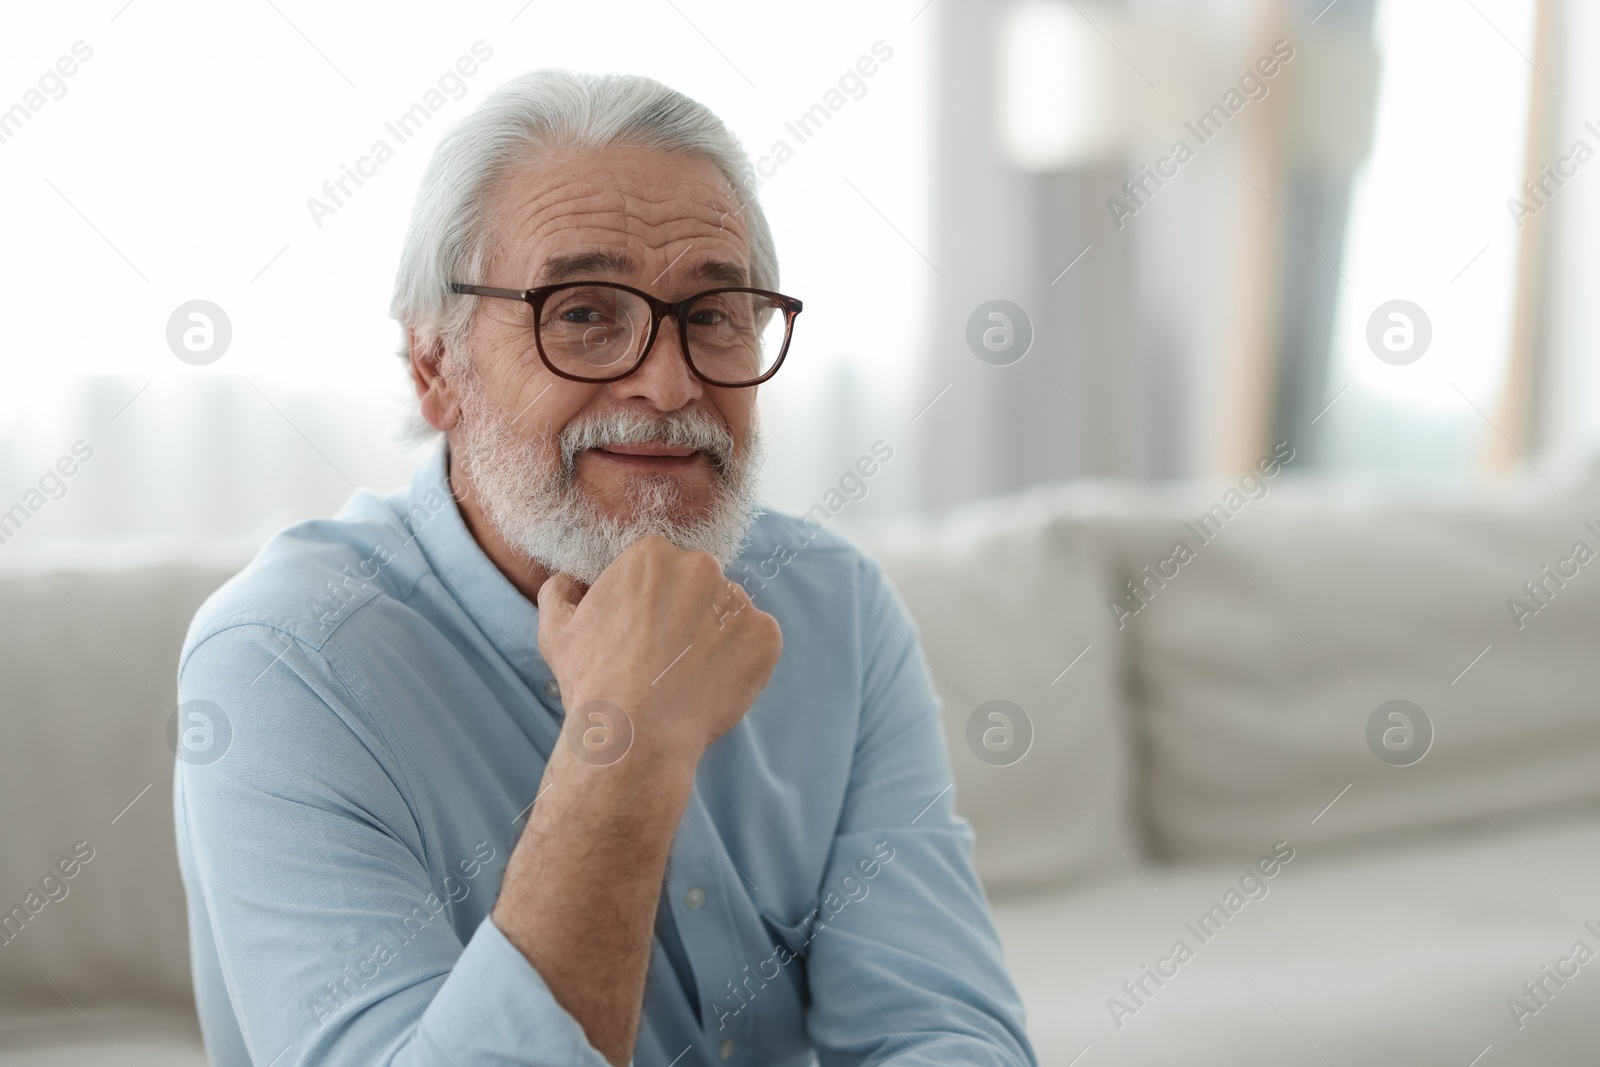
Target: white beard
x=526, y=487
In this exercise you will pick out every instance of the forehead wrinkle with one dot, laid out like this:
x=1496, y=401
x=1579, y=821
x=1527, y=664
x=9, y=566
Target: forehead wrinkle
x=604, y=227
x=637, y=214
x=595, y=201
x=605, y=230
x=697, y=194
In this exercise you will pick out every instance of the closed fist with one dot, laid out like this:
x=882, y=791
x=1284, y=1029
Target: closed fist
x=665, y=636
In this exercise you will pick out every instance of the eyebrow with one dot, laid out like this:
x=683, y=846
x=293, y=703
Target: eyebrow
x=580, y=264
x=717, y=270
x=574, y=265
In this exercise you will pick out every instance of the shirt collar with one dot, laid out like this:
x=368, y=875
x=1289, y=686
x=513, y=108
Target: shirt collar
x=509, y=620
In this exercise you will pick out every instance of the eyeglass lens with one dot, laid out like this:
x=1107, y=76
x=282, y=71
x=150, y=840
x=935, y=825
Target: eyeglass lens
x=597, y=331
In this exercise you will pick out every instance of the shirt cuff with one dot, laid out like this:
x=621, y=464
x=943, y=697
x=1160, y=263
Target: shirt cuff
x=495, y=1008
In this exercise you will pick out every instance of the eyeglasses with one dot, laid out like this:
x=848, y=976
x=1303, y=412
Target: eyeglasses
x=602, y=331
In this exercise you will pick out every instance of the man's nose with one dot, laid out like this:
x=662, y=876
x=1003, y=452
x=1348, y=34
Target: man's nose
x=665, y=379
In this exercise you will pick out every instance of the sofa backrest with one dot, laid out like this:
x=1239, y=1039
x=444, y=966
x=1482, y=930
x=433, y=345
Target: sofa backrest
x=88, y=656
x=1224, y=712
x=1010, y=605
x=1009, y=601
x=1268, y=638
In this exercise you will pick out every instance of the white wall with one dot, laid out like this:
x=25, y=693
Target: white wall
x=178, y=165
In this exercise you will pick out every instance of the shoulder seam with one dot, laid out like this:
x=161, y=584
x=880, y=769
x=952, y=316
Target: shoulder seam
x=358, y=707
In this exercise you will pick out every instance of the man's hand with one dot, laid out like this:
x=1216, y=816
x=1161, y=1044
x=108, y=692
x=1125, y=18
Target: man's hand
x=664, y=636
x=684, y=653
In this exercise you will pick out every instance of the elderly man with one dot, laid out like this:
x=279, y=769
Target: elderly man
x=516, y=772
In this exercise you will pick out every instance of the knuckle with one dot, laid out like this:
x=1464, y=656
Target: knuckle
x=703, y=563
x=770, y=630
x=651, y=545
x=737, y=597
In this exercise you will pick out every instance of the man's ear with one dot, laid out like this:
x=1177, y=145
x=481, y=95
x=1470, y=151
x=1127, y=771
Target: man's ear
x=436, y=396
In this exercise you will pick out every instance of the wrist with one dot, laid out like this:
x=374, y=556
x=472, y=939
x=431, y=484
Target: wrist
x=601, y=732
x=611, y=762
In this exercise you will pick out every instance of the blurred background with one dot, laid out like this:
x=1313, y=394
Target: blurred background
x=1085, y=267
x=1180, y=334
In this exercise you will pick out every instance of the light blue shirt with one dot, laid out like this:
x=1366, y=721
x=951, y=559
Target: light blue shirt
x=364, y=718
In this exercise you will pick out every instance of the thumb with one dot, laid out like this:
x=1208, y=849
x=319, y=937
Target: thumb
x=557, y=600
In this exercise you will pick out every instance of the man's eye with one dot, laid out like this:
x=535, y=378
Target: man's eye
x=580, y=314
x=706, y=317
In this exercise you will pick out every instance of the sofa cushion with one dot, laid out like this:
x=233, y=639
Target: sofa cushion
x=1010, y=606
x=1262, y=662
x=58, y=1036
x=1388, y=957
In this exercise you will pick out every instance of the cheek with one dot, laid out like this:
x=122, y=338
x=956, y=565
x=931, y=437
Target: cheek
x=503, y=348
x=522, y=392
x=736, y=408
x=506, y=364
x=543, y=404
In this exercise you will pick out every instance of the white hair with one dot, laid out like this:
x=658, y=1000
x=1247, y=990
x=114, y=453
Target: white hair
x=450, y=238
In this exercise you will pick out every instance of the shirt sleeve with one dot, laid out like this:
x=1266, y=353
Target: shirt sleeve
x=332, y=944
x=904, y=962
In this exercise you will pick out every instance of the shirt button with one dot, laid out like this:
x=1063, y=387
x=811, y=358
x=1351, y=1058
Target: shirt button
x=692, y=900
x=552, y=688
x=726, y=1051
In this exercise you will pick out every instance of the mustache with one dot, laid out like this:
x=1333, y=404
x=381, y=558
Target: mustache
x=689, y=428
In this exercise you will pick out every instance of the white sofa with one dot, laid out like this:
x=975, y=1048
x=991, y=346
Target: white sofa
x=1168, y=756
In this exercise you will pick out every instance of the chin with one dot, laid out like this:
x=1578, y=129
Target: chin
x=640, y=496
x=575, y=512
